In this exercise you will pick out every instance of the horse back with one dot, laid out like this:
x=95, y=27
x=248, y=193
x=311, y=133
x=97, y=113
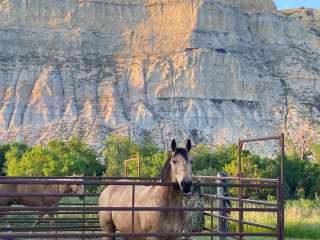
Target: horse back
x=7, y=188
x=38, y=189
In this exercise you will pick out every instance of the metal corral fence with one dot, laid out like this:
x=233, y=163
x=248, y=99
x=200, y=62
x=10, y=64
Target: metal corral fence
x=78, y=219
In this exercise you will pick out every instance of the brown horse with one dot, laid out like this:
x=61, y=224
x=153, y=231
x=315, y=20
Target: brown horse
x=7, y=200
x=39, y=201
x=177, y=169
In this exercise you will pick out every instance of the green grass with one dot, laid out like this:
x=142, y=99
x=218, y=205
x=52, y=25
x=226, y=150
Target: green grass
x=302, y=219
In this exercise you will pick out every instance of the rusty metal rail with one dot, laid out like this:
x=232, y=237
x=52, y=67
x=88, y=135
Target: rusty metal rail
x=80, y=219
x=42, y=181
x=258, y=202
x=280, y=182
x=135, y=235
x=87, y=226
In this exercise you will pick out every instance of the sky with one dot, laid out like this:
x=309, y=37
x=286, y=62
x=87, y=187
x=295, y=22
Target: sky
x=284, y=4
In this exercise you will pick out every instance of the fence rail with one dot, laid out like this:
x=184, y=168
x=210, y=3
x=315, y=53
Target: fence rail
x=79, y=218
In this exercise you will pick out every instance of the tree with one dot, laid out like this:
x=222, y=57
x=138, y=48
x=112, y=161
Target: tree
x=204, y=160
x=315, y=151
x=152, y=158
x=58, y=158
x=12, y=156
x=76, y=157
x=3, y=150
x=295, y=173
x=300, y=140
x=118, y=149
x=38, y=161
x=311, y=180
x=226, y=154
x=208, y=161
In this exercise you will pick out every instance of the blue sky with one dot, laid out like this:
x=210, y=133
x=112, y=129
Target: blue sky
x=283, y=4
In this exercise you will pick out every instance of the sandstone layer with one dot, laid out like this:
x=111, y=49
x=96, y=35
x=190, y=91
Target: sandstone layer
x=211, y=70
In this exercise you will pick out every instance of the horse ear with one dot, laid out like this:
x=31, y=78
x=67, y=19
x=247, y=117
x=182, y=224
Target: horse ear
x=173, y=145
x=188, y=145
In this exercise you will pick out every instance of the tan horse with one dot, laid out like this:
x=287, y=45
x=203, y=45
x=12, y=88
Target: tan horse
x=7, y=200
x=177, y=169
x=39, y=201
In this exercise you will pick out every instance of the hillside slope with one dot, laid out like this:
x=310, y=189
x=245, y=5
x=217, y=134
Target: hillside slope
x=212, y=70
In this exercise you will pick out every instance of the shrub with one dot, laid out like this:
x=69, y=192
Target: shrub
x=58, y=158
x=117, y=150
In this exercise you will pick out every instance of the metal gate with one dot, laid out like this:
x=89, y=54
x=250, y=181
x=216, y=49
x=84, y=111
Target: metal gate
x=74, y=218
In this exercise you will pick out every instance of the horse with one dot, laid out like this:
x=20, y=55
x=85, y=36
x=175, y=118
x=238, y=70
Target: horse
x=39, y=201
x=177, y=169
x=6, y=200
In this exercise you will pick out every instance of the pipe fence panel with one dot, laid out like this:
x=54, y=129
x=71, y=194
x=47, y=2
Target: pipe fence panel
x=76, y=216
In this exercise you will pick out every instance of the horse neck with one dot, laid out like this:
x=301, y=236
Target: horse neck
x=175, y=195
x=171, y=194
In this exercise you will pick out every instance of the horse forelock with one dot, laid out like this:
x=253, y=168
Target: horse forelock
x=183, y=152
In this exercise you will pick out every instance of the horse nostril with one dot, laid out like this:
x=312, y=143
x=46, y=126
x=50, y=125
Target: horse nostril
x=186, y=186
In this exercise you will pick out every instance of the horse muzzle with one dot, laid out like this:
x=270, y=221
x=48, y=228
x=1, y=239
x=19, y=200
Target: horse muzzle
x=186, y=186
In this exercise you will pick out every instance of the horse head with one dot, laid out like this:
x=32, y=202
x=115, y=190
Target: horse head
x=178, y=168
x=77, y=189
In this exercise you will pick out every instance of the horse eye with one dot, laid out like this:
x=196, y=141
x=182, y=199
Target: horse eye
x=174, y=161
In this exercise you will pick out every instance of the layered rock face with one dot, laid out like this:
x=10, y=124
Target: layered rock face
x=211, y=70
x=309, y=17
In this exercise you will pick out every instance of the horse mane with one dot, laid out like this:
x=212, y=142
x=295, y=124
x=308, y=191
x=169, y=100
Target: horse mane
x=165, y=173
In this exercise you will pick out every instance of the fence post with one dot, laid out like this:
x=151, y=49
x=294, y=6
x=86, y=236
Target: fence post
x=139, y=166
x=222, y=203
x=125, y=169
x=83, y=210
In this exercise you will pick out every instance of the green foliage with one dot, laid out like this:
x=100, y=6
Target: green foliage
x=315, y=150
x=3, y=149
x=208, y=162
x=61, y=158
x=302, y=219
x=76, y=157
x=226, y=154
x=58, y=158
x=302, y=177
x=117, y=150
x=152, y=158
x=295, y=173
x=204, y=161
x=11, y=154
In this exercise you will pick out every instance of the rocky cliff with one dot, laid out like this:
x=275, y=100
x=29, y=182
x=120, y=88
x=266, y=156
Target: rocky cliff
x=212, y=70
x=310, y=18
